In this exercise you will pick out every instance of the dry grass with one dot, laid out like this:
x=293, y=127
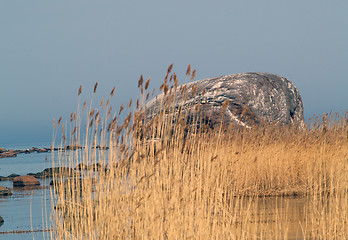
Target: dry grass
x=167, y=180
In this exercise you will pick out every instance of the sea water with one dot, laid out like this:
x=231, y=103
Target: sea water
x=25, y=210
x=28, y=210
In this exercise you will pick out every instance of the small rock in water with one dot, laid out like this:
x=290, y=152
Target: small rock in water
x=23, y=181
x=4, y=191
x=8, y=154
x=60, y=171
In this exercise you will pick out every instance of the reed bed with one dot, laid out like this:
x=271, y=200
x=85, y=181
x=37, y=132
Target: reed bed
x=162, y=178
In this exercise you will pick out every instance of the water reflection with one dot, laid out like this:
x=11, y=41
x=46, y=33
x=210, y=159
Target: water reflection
x=278, y=217
x=24, y=210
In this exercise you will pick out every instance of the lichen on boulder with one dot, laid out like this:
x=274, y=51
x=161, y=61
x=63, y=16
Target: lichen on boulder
x=250, y=98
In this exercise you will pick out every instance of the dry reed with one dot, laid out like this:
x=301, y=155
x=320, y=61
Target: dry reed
x=164, y=179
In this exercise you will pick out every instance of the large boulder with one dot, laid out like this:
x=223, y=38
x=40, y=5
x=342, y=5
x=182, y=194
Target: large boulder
x=4, y=191
x=253, y=98
x=24, y=181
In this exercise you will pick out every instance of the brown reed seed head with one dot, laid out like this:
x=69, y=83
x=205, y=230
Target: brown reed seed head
x=161, y=87
x=130, y=103
x=193, y=74
x=165, y=89
x=140, y=82
x=147, y=83
x=170, y=68
x=112, y=92
x=102, y=102
x=147, y=96
x=188, y=71
x=80, y=90
x=95, y=87
x=59, y=120
x=91, y=113
x=121, y=109
x=119, y=130
x=75, y=128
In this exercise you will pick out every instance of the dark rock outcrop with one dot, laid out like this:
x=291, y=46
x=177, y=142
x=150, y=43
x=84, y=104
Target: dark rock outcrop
x=7, y=154
x=253, y=98
x=96, y=167
x=81, y=166
x=43, y=150
x=1, y=221
x=9, y=177
x=24, y=181
x=73, y=147
x=59, y=171
x=13, y=175
x=4, y=191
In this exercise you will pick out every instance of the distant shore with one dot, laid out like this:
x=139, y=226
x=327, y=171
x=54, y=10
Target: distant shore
x=9, y=153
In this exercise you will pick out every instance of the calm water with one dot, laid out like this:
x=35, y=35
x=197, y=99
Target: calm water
x=23, y=210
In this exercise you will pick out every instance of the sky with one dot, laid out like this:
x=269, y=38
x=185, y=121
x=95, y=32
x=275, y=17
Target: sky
x=49, y=48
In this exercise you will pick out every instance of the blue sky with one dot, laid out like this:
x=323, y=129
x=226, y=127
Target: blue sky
x=49, y=48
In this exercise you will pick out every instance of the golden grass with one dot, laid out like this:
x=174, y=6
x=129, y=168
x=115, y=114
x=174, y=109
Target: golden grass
x=168, y=180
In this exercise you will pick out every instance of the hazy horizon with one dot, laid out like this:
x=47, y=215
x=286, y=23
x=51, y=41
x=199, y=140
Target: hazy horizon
x=49, y=49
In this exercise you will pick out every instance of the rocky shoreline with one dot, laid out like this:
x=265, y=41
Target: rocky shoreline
x=30, y=181
x=8, y=153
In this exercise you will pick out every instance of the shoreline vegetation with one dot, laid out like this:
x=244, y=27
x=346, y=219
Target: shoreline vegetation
x=168, y=179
